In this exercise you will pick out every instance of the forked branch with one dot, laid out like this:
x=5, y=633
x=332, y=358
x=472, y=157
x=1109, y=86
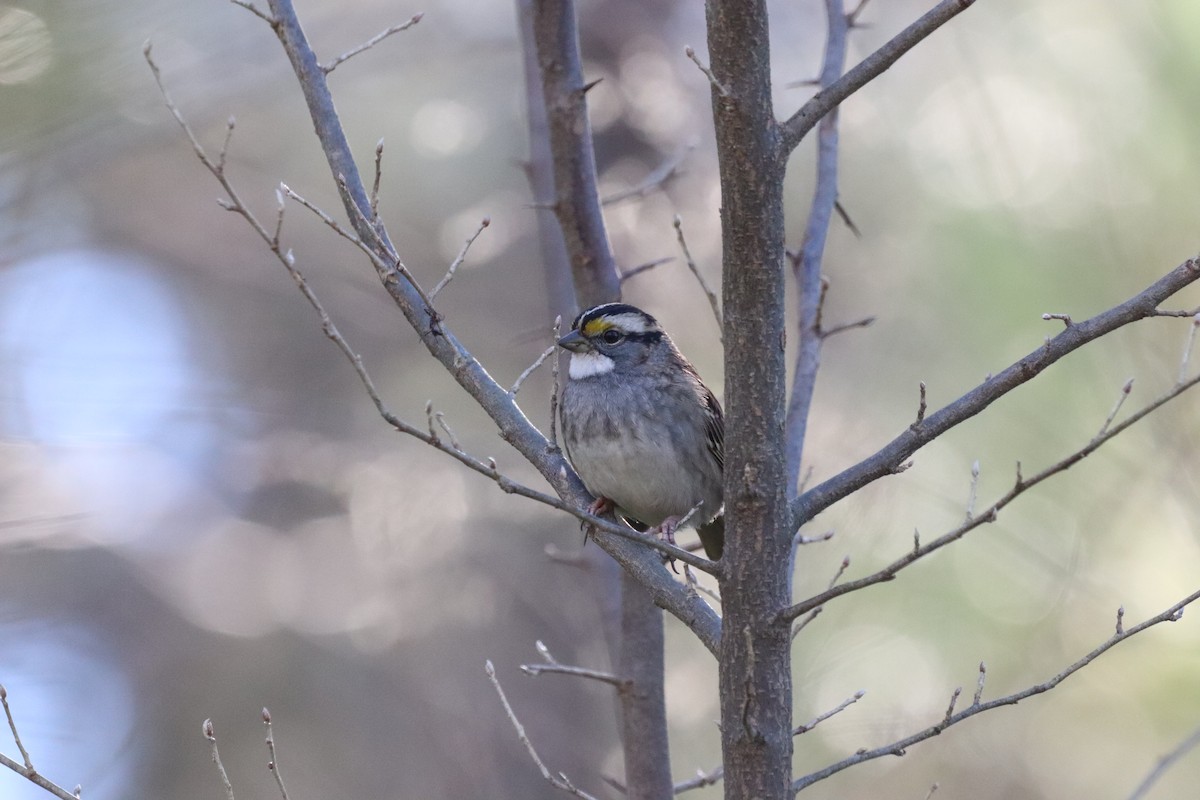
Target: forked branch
x=951, y=718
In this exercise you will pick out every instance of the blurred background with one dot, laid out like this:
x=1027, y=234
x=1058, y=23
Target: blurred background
x=201, y=514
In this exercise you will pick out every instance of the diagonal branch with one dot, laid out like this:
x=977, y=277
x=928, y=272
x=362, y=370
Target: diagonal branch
x=892, y=456
x=824, y=101
x=989, y=514
x=514, y=427
x=898, y=748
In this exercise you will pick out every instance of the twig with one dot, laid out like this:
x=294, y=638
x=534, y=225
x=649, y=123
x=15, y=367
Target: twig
x=27, y=770
x=1065, y=319
x=516, y=387
x=367, y=45
x=701, y=780
x=458, y=260
x=885, y=461
x=922, y=407
x=654, y=180
x=839, y=708
x=899, y=747
x=853, y=16
x=273, y=763
x=640, y=268
x=695, y=585
x=211, y=735
x=708, y=73
x=1121, y=398
x=253, y=9
x=553, y=665
x=555, y=388
x=1165, y=763
x=932, y=789
x=989, y=514
x=559, y=781
x=802, y=624
x=979, y=684
x=691, y=263
x=865, y=322
x=972, y=493
x=378, y=179
x=1187, y=350
x=800, y=123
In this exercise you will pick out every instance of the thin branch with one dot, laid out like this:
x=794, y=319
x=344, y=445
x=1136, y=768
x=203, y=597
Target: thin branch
x=887, y=460
x=899, y=747
x=824, y=101
x=516, y=387
x=1165, y=763
x=973, y=492
x=559, y=781
x=702, y=779
x=1187, y=350
x=839, y=708
x=708, y=73
x=1122, y=396
x=458, y=260
x=211, y=735
x=654, y=180
x=256, y=11
x=369, y=43
x=640, y=268
x=806, y=265
x=273, y=763
x=978, y=696
x=555, y=388
x=555, y=666
x=865, y=322
x=27, y=770
x=378, y=180
x=989, y=514
x=691, y=264
x=1065, y=319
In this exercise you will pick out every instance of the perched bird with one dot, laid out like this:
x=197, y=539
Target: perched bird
x=640, y=427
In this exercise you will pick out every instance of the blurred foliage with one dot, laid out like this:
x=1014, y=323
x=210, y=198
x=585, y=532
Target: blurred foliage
x=201, y=514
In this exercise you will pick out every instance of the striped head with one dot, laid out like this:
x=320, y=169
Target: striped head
x=611, y=338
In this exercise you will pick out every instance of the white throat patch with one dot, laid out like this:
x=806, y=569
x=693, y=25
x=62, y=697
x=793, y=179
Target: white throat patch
x=586, y=365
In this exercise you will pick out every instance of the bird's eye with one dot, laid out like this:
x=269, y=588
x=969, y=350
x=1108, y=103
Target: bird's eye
x=612, y=336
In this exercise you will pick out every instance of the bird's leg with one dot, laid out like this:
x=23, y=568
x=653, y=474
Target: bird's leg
x=600, y=506
x=665, y=530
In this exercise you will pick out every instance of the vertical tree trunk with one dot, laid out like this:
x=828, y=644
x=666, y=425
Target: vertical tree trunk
x=755, y=676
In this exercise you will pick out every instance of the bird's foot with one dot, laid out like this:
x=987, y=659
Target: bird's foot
x=665, y=531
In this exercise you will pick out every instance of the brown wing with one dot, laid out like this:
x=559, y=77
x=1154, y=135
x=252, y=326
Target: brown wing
x=714, y=426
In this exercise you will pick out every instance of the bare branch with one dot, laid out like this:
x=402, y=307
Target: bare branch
x=1121, y=398
x=885, y=461
x=811, y=288
x=256, y=11
x=553, y=665
x=640, y=268
x=708, y=73
x=654, y=180
x=211, y=735
x=899, y=747
x=839, y=708
x=516, y=387
x=973, y=492
x=867, y=70
x=559, y=781
x=555, y=388
x=979, y=684
x=865, y=322
x=273, y=763
x=369, y=43
x=27, y=770
x=691, y=263
x=989, y=514
x=701, y=780
x=1065, y=319
x=378, y=180
x=1165, y=763
x=458, y=260
x=1187, y=350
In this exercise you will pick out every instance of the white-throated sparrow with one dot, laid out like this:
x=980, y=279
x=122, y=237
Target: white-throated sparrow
x=640, y=427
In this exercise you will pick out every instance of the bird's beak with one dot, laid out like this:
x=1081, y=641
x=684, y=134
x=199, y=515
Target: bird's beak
x=574, y=342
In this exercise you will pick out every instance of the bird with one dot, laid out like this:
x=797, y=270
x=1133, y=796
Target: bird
x=642, y=430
